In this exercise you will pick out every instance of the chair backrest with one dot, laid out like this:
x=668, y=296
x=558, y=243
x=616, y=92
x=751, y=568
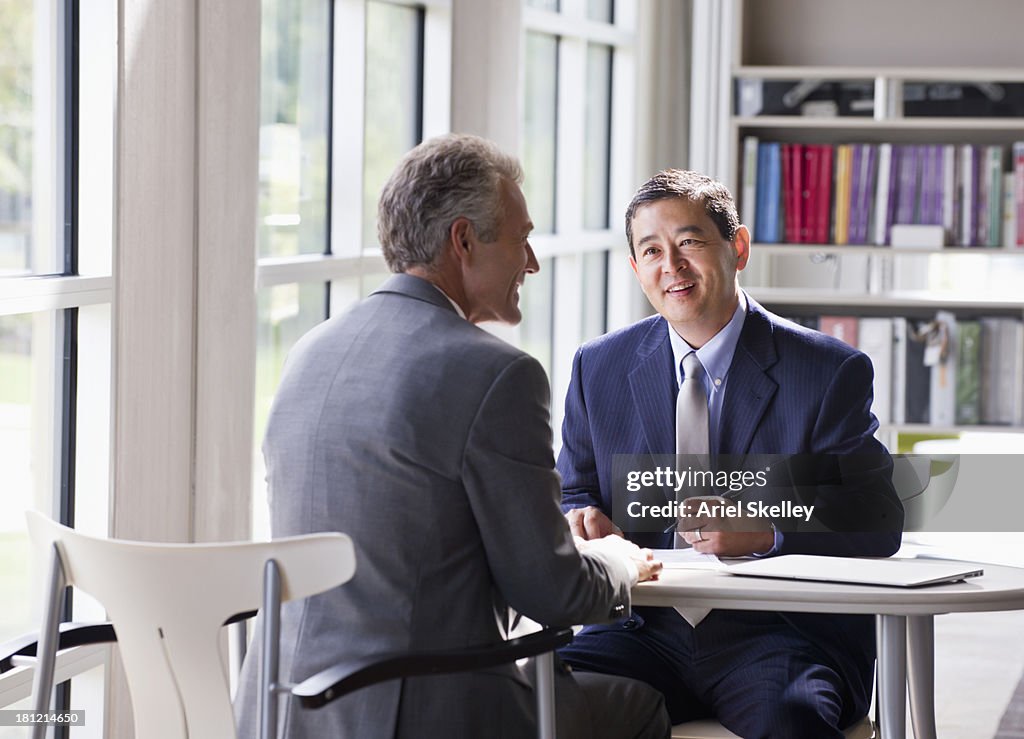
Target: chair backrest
x=924, y=483
x=168, y=602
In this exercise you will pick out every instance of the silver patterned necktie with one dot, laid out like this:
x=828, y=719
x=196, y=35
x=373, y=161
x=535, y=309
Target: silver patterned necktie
x=692, y=410
x=693, y=440
x=691, y=425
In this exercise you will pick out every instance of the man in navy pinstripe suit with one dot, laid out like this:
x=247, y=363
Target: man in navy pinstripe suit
x=773, y=388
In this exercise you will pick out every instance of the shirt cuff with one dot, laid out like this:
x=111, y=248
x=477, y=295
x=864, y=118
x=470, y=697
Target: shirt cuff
x=776, y=544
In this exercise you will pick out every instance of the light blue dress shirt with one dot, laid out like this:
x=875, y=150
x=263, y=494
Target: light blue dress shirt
x=716, y=356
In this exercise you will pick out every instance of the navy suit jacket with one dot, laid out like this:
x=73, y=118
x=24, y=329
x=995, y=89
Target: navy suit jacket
x=790, y=391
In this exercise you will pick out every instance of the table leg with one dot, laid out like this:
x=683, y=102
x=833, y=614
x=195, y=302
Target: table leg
x=921, y=674
x=892, y=675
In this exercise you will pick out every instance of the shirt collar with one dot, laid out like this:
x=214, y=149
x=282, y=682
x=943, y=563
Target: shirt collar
x=716, y=355
x=454, y=304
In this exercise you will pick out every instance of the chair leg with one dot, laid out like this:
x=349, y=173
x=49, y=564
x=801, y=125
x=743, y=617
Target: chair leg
x=545, y=690
x=268, y=673
x=46, y=653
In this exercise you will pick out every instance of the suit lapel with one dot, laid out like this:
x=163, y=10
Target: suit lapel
x=750, y=389
x=654, y=389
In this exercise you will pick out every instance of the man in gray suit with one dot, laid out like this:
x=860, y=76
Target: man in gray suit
x=427, y=440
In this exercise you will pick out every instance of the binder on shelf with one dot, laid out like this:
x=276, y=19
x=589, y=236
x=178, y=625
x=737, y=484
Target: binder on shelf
x=967, y=195
x=883, y=195
x=968, y=373
x=865, y=157
x=1009, y=211
x=843, y=328
x=1002, y=367
x=823, y=193
x=926, y=191
x=856, y=175
x=940, y=355
x=899, y=369
x=874, y=338
x=761, y=211
x=918, y=380
x=994, y=209
x=812, y=166
x=749, y=202
x=1018, y=183
x=950, y=215
x=791, y=216
x=797, y=163
x=769, y=188
x=906, y=196
x=841, y=211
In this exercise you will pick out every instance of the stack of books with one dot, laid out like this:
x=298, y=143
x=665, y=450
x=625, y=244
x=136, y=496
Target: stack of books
x=855, y=193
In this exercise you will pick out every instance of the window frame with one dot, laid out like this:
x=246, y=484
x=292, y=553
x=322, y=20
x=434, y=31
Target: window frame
x=571, y=240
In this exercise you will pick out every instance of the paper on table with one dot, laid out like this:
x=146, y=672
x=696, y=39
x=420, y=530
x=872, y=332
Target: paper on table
x=687, y=559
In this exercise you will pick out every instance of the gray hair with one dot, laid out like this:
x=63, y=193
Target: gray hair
x=689, y=185
x=440, y=180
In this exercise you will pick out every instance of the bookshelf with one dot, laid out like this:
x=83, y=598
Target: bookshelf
x=824, y=74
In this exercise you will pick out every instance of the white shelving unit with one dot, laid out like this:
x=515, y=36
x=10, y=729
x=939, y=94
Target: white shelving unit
x=876, y=42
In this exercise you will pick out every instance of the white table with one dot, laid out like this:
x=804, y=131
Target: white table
x=905, y=621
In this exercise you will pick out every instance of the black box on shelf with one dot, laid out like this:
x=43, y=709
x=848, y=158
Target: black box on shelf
x=963, y=99
x=823, y=98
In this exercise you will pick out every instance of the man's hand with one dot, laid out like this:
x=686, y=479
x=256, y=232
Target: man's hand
x=712, y=532
x=647, y=566
x=591, y=523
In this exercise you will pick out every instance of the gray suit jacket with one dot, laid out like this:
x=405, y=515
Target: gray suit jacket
x=427, y=440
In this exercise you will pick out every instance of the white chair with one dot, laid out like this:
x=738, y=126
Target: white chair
x=168, y=602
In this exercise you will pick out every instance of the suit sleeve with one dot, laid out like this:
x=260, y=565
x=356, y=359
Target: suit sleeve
x=852, y=472
x=576, y=460
x=513, y=490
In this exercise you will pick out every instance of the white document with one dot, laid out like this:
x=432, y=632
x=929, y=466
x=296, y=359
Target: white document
x=687, y=559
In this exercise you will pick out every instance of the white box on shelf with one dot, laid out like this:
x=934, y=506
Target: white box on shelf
x=918, y=236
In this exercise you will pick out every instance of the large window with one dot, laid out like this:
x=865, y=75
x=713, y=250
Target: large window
x=577, y=151
x=332, y=129
x=56, y=216
x=370, y=83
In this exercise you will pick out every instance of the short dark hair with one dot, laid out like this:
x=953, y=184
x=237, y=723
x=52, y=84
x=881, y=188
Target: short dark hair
x=698, y=188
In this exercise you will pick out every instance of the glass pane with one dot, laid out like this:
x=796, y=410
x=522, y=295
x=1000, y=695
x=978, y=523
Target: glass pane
x=597, y=136
x=393, y=99
x=28, y=366
x=536, y=301
x=552, y=5
x=283, y=314
x=369, y=283
x=601, y=10
x=293, y=127
x=16, y=732
x=97, y=107
x=538, y=143
x=31, y=143
x=595, y=295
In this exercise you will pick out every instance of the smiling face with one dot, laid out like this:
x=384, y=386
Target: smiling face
x=686, y=267
x=494, y=271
